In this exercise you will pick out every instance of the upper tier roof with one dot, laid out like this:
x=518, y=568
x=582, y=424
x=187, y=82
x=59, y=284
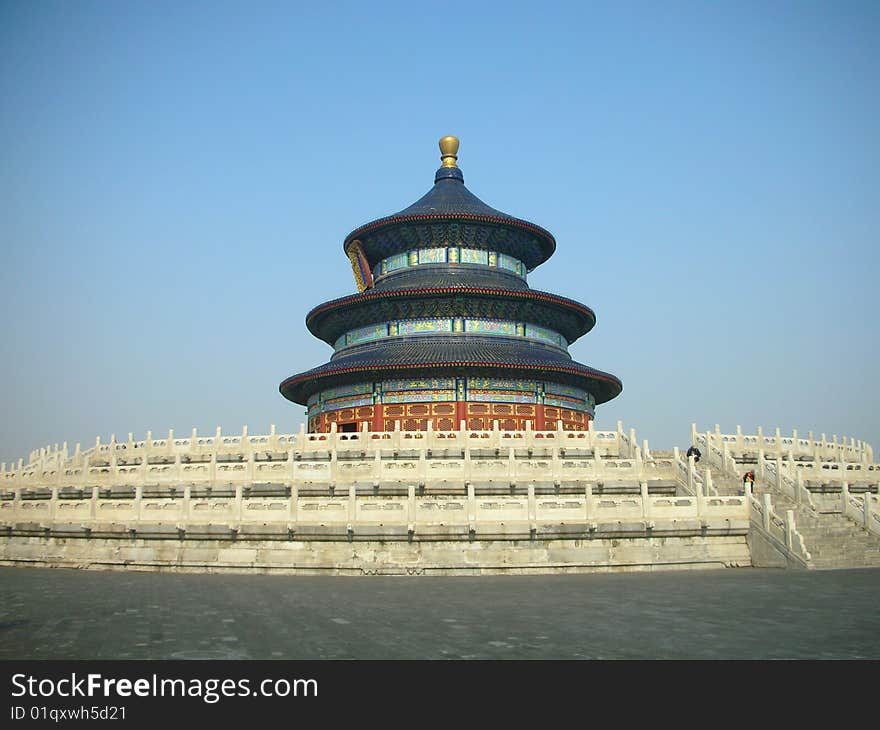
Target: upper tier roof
x=449, y=196
x=450, y=214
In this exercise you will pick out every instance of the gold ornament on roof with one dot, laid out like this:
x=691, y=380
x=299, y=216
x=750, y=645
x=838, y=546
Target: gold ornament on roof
x=449, y=151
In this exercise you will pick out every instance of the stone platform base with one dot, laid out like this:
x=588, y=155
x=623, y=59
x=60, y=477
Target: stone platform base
x=458, y=557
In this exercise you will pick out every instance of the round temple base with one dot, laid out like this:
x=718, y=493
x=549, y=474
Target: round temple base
x=448, y=416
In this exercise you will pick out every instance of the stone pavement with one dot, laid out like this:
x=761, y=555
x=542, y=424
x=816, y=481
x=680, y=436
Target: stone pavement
x=716, y=614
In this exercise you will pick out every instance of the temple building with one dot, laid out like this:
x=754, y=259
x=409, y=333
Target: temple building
x=444, y=329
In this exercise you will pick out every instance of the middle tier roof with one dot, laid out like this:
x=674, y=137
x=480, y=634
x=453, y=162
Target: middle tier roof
x=331, y=319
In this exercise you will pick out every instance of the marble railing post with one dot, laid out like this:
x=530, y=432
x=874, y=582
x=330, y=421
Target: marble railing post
x=471, y=506
x=143, y=469
x=731, y=466
x=237, y=509
x=768, y=508
x=187, y=505
x=138, y=503
x=533, y=508
x=646, y=505
x=293, y=507
x=690, y=475
x=423, y=465
x=588, y=501
x=411, y=508
x=844, y=497
x=93, y=507
x=789, y=528
x=377, y=467
x=352, y=506
x=53, y=504
x=251, y=468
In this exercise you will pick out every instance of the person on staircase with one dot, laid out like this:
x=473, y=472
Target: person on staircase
x=749, y=478
x=695, y=452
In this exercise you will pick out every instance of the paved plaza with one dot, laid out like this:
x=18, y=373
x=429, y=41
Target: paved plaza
x=717, y=614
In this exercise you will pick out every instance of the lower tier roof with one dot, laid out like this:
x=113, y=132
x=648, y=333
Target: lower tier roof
x=450, y=355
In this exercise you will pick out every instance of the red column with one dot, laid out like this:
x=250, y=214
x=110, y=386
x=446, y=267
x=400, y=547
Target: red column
x=378, y=417
x=460, y=414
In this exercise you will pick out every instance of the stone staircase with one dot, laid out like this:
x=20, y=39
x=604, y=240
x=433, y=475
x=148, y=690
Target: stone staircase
x=833, y=541
x=837, y=542
x=725, y=484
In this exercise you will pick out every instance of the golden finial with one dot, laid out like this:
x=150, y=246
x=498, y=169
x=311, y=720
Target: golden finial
x=449, y=151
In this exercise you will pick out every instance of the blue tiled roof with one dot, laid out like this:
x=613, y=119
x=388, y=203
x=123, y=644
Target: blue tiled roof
x=449, y=196
x=450, y=353
x=439, y=276
x=450, y=214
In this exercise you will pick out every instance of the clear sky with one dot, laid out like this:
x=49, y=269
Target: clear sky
x=177, y=179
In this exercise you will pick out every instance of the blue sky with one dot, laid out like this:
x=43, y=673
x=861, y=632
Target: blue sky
x=178, y=178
